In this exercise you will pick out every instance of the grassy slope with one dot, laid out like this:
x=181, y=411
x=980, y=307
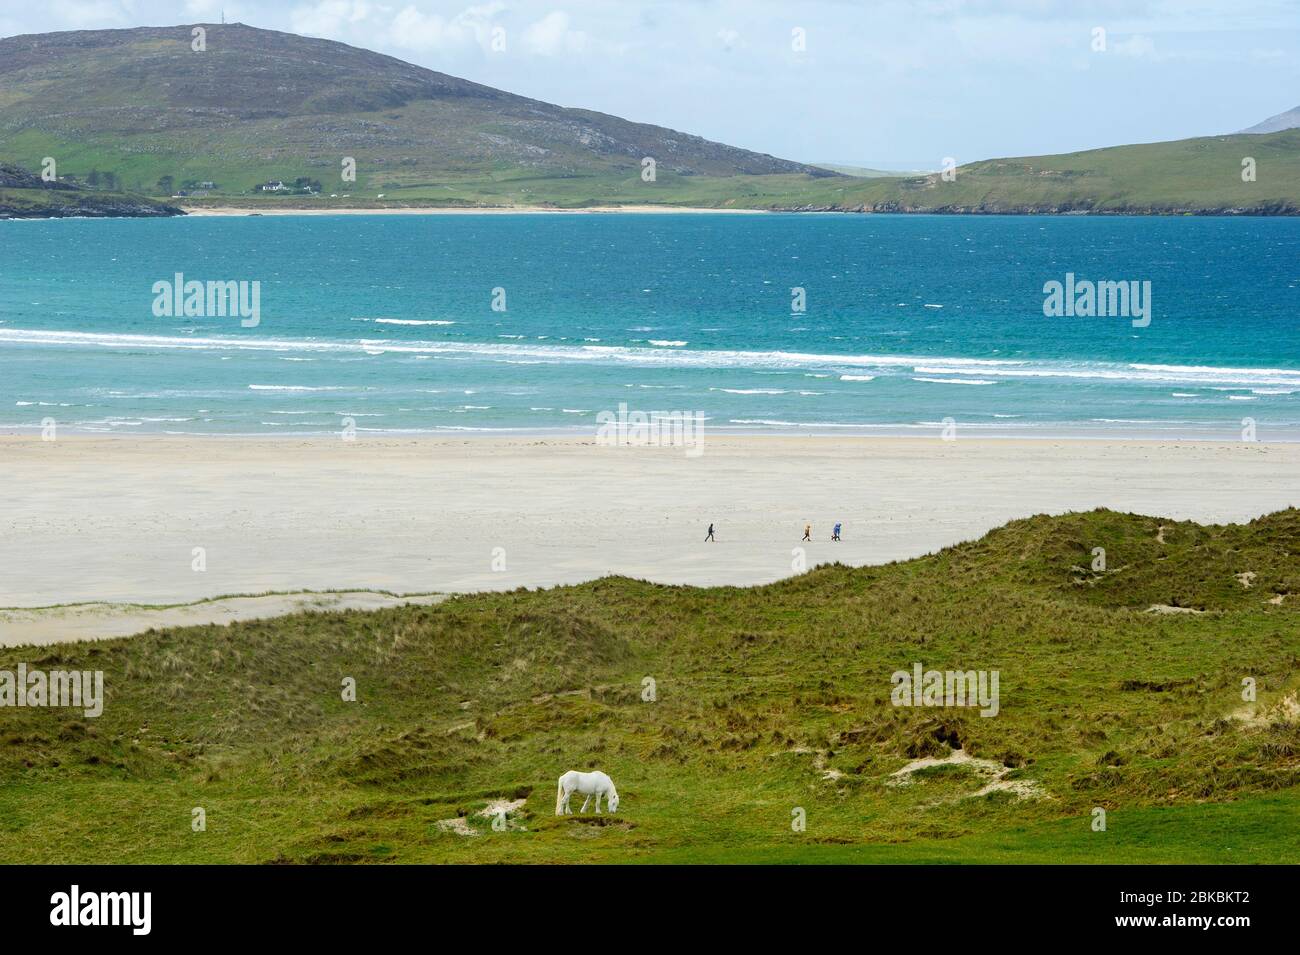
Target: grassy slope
x=1197, y=175
x=760, y=691
x=1186, y=175
x=141, y=104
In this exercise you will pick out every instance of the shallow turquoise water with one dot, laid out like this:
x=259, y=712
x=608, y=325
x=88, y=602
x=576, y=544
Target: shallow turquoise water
x=909, y=320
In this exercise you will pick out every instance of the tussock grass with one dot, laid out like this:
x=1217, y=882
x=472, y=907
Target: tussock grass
x=767, y=699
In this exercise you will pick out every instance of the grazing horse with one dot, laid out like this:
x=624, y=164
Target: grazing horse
x=588, y=784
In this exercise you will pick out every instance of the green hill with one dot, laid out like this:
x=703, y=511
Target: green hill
x=259, y=105
x=767, y=700
x=140, y=111
x=1197, y=176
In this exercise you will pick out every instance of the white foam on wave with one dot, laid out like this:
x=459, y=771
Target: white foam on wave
x=769, y=423
x=943, y=367
x=412, y=321
x=295, y=388
x=1163, y=374
x=595, y=354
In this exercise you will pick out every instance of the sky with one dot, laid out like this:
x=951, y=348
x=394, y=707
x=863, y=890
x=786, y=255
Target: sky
x=899, y=84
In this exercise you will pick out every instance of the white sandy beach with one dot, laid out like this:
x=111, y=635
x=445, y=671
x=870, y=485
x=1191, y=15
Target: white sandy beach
x=116, y=520
x=449, y=211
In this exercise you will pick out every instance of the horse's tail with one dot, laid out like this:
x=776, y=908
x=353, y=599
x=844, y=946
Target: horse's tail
x=559, y=797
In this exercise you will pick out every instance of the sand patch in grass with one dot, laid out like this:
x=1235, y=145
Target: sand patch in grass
x=993, y=772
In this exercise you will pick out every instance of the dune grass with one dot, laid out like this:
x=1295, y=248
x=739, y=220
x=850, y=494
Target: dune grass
x=767, y=700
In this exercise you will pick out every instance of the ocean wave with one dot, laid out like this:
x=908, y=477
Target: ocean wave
x=412, y=321
x=860, y=426
x=769, y=423
x=295, y=388
x=658, y=357
x=1161, y=374
x=958, y=381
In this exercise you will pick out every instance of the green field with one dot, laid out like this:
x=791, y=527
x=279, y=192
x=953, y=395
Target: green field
x=767, y=700
x=1191, y=176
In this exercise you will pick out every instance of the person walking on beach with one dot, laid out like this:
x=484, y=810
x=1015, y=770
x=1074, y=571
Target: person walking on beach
x=835, y=534
x=710, y=537
x=807, y=532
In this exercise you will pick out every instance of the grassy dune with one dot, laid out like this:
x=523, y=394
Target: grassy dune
x=768, y=699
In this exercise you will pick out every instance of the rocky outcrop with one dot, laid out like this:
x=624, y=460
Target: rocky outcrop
x=25, y=195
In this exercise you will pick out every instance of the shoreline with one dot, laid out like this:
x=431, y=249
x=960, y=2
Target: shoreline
x=968, y=431
x=460, y=210
x=102, y=520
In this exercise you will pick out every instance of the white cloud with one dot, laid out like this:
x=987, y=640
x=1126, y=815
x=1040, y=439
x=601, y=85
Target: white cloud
x=88, y=14
x=202, y=9
x=413, y=29
x=329, y=18
x=551, y=36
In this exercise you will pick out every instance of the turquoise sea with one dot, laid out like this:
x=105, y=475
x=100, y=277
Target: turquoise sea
x=909, y=320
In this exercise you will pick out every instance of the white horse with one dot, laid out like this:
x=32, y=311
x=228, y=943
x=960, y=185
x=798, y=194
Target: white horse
x=588, y=784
